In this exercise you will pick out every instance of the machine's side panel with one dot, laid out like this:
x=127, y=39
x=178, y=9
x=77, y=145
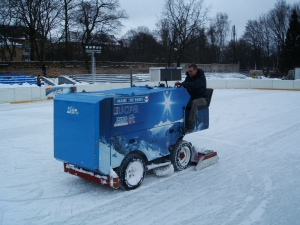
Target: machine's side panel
x=129, y=116
x=149, y=123
x=202, y=120
x=105, y=134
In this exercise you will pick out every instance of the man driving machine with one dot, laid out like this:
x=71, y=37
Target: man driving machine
x=195, y=83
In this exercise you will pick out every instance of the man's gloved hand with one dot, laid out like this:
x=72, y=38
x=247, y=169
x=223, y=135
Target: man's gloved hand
x=177, y=83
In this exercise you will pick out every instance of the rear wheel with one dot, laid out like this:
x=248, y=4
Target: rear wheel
x=131, y=172
x=181, y=155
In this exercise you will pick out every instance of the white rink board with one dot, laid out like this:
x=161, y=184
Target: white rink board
x=38, y=93
x=261, y=84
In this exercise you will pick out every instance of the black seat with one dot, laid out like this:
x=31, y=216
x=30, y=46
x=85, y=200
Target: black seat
x=209, y=93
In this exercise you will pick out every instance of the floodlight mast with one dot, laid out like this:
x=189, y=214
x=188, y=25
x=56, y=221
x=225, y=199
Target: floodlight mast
x=92, y=50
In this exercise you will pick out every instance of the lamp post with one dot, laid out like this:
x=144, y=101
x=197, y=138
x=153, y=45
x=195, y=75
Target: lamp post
x=92, y=50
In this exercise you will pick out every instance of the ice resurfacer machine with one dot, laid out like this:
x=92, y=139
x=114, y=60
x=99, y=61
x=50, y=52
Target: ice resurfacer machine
x=113, y=137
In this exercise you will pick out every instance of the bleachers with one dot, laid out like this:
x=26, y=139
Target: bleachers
x=104, y=78
x=17, y=79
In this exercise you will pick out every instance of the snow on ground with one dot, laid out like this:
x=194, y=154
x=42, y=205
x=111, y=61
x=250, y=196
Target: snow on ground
x=256, y=181
x=226, y=76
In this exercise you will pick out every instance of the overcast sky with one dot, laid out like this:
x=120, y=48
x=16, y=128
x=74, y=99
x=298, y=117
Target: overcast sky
x=147, y=12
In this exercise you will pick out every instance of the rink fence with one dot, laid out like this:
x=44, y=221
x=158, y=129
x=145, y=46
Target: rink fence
x=25, y=94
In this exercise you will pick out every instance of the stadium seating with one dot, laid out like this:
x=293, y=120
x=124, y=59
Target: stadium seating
x=17, y=79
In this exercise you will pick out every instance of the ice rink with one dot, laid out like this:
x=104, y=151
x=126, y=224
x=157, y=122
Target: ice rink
x=256, y=181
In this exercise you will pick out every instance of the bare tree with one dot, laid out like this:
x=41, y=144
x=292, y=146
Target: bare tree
x=98, y=16
x=27, y=13
x=39, y=18
x=221, y=29
x=68, y=16
x=167, y=37
x=47, y=19
x=142, y=45
x=278, y=22
x=265, y=36
x=212, y=41
x=182, y=19
x=7, y=33
x=253, y=36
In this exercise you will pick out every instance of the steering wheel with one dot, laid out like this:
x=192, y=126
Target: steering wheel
x=178, y=85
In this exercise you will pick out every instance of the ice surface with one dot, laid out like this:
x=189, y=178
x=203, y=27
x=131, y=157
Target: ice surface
x=256, y=181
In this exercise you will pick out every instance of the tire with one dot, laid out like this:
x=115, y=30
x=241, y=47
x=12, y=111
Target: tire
x=131, y=172
x=181, y=155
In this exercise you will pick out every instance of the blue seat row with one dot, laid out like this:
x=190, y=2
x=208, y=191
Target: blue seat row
x=23, y=79
x=17, y=82
x=12, y=75
x=17, y=79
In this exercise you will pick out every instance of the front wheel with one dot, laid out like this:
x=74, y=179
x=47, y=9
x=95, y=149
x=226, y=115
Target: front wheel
x=131, y=172
x=181, y=155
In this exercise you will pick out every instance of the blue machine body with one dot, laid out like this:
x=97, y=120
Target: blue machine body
x=96, y=130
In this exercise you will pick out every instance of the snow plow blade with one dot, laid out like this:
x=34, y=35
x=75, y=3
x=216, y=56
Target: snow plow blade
x=204, y=159
x=111, y=180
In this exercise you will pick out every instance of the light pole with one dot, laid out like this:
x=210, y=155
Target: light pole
x=92, y=50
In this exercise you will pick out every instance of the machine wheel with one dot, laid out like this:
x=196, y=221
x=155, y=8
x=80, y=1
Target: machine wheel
x=181, y=155
x=131, y=172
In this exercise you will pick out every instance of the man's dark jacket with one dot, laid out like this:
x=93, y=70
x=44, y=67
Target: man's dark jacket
x=196, y=85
